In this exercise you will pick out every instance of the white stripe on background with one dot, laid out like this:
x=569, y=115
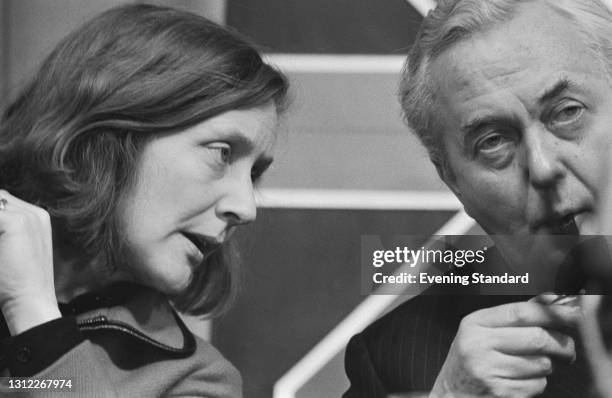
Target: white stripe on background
x=342, y=63
x=422, y=6
x=337, y=63
x=364, y=314
x=357, y=199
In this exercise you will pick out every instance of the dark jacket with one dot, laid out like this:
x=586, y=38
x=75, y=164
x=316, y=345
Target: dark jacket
x=405, y=350
x=125, y=342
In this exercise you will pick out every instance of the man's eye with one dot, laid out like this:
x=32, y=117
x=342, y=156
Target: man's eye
x=491, y=142
x=567, y=113
x=495, y=149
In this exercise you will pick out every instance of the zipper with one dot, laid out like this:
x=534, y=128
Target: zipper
x=100, y=322
x=96, y=320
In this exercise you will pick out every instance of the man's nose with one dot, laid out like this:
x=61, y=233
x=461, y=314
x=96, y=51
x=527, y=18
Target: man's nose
x=543, y=163
x=237, y=205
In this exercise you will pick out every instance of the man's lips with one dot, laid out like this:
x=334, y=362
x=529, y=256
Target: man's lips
x=561, y=223
x=568, y=225
x=586, y=223
x=205, y=244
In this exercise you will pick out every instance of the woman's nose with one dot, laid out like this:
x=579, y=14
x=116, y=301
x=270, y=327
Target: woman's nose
x=237, y=206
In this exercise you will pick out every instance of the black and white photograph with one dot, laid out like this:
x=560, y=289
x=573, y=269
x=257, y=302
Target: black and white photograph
x=306, y=198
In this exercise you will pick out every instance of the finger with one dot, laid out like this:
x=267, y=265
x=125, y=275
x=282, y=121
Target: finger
x=604, y=204
x=527, y=314
x=17, y=203
x=17, y=220
x=534, y=341
x=557, y=299
x=596, y=352
x=12, y=200
x=545, y=298
x=519, y=388
x=12, y=218
x=522, y=366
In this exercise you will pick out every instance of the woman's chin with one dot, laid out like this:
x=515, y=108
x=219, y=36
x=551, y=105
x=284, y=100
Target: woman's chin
x=176, y=288
x=170, y=285
x=167, y=274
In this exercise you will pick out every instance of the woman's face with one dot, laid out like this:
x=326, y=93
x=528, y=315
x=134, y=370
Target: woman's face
x=192, y=189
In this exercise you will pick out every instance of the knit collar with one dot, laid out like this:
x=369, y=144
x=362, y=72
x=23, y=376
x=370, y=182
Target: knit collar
x=112, y=295
x=134, y=307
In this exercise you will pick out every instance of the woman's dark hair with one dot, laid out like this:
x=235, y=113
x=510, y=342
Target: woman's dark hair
x=70, y=141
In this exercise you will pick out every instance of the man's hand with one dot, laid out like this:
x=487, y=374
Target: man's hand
x=27, y=292
x=507, y=351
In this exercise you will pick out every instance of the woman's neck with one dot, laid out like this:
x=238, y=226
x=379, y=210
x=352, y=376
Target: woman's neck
x=73, y=277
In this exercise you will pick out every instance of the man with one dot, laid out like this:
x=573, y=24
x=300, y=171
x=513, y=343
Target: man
x=513, y=100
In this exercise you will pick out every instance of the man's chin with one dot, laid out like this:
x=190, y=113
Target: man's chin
x=542, y=248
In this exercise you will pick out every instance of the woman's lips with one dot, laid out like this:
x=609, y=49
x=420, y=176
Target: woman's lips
x=204, y=246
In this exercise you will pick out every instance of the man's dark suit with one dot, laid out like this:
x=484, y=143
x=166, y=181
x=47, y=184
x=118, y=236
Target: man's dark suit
x=404, y=350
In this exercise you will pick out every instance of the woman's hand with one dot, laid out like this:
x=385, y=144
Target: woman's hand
x=27, y=292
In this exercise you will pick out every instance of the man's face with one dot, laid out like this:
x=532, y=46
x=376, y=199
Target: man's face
x=524, y=111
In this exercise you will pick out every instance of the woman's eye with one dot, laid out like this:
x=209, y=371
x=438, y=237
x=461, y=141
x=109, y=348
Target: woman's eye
x=259, y=168
x=223, y=152
x=226, y=154
x=256, y=175
x=567, y=113
x=258, y=171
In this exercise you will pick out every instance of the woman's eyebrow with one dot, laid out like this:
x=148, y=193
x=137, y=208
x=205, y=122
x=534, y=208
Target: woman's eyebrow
x=240, y=139
x=246, y=145
x=263, y=162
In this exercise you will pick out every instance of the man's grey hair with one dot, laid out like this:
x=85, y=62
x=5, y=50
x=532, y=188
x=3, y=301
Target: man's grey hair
x=455, y=20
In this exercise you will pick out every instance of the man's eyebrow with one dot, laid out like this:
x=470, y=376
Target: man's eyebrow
x=475, y=124
x=555, y=90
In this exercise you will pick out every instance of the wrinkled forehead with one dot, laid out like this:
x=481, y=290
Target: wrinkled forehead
x=519, y=55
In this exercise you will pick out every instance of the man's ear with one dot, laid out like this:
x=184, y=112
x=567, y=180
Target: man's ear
x=452, y=185
x=448, y=178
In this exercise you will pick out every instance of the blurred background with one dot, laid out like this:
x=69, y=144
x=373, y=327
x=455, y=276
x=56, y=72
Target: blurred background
x=345, y=166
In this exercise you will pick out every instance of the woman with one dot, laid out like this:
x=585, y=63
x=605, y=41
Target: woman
x=125, y=166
